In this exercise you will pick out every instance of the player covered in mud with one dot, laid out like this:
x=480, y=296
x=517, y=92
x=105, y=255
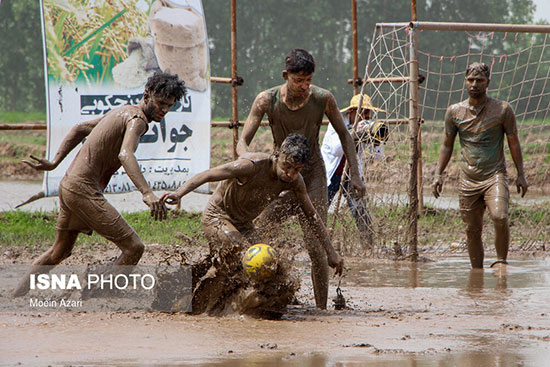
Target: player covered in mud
x=481, y=123
x=297, y=106
x=248, y=185
x=111, y=142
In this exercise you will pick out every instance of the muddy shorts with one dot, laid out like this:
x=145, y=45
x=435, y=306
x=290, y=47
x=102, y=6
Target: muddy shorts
x=221, y=232
x=492, y=192
x=85, y=214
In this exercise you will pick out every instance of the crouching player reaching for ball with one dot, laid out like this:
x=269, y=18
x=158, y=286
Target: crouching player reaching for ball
x=249, y=184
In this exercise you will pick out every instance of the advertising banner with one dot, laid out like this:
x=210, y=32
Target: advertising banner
x=99, y=55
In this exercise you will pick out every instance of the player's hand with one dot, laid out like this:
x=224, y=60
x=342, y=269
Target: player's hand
x=337, y=262
x=357, y=186
x=522, y=185
x=40, y=164
x=158, y=209
x=437, y=186
x=170, y=198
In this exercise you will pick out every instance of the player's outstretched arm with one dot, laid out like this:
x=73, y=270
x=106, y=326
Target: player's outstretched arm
x=130, y=142
x=335, y=118
x=73, y=138
x=259, y=108
x=239, y=168
x=334, y=260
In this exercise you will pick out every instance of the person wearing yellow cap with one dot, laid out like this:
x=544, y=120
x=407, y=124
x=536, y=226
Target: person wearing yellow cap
x=369, y=135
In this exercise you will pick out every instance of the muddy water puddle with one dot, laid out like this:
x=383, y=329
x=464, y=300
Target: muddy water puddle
x=438, y=313
x=320, y=360
x=452, y=272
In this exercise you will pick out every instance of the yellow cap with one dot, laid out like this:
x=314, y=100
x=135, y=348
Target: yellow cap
x=367, y=103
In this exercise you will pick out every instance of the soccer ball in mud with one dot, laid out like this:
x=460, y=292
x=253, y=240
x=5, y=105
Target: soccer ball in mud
x=260, y=261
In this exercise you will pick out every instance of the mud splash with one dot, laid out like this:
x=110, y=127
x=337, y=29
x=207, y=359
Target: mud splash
x=221, y=287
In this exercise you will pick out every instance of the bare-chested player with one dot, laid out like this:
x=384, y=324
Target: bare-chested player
x=250, y=184
x=297, y=106
x=111, y=141
x=481, y=123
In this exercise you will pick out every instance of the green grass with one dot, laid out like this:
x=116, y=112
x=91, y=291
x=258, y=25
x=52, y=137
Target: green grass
x=18, y=228
x=21, y=228
x=22, y=138
x=14, y=117
x=18, y=145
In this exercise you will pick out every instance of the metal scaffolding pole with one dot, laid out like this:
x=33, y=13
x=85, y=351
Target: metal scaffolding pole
x=479, y=27
x=414, y=127
x=356, y=81
x=234, y=95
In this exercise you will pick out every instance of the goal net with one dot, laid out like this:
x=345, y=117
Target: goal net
x=520, y=74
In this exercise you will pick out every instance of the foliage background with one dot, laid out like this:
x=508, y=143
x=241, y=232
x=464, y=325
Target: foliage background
x=266, y=31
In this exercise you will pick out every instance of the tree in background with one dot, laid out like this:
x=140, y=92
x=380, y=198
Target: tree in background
x=266, y=31
x=21, y=57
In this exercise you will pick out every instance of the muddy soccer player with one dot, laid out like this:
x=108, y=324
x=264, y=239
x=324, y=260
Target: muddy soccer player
x=297, y=106
x=481, y=123
x=111, y=142
x=249, y=184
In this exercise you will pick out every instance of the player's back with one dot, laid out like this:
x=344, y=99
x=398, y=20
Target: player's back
x=98, y=159
x=244, y=198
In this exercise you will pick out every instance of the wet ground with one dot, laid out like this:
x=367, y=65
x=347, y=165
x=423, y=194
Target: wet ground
x=437, y=313
x=13, y=193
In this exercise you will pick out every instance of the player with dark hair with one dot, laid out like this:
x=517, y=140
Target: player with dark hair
x=481, y=123
x=297, y=106
x=299, y=61
x=111, y=141
x=249, y=184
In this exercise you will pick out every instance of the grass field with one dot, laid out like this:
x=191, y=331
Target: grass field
x=37, y=229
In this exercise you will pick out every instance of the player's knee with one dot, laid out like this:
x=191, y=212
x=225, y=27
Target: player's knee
x=500, y=219
x=134, y=248
x=137, y=249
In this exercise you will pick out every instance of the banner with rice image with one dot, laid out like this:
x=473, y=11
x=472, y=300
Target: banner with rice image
x=99, y=58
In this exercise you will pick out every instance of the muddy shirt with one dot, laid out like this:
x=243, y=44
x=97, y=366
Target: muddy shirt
x=481, y=131
x=306, y=121
x=97, y=160
x=243, y=200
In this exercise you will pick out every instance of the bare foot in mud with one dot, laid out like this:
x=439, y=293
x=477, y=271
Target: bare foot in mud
x=500, y=268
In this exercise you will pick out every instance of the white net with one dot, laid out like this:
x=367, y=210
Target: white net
x=520, y=75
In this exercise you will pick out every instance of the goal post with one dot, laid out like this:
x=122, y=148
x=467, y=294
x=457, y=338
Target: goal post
x=400, y=58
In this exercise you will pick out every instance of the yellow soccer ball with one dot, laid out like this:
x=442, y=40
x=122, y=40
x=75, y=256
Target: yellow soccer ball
x=260, y=261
